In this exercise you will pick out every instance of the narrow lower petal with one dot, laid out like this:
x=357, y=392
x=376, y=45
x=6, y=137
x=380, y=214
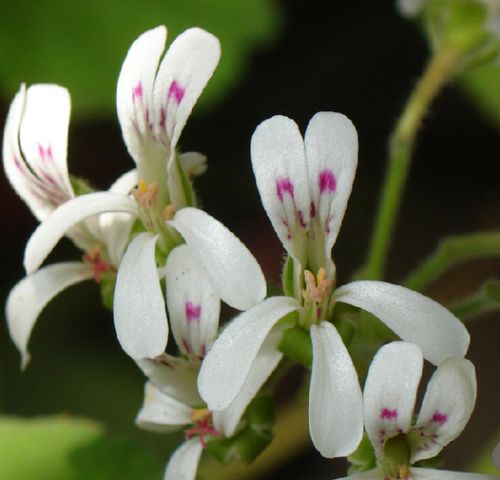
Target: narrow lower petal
x=226, y=421
x=375, y=474
x=48, y=233
x=412, y=316
x=193, y=306
x=335, y=402
x=162, y=413
x=433, y=474
x=281, y=172
x=235, y=275
x=184, y=462
x=29, y=297
x=390, y=392
x=447, y=406
x=228, y=363
x=139, y=307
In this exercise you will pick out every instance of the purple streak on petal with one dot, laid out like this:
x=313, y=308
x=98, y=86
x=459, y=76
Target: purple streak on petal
x=193, y=312
x=389, y=414
x=439, y=417
x=327, y=181
x=284, y=185
x=176, y=92
x=137, y=91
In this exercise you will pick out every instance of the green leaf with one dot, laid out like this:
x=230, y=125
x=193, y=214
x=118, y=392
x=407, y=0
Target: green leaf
x=81, y=45
x=483, y=86
x=64, y=448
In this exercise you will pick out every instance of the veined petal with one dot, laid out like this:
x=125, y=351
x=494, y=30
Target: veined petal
x=184, y=462
x=375, y=474
x=434, y=474
x=29, y=297
x=232, y=270
x=193, y=306
x=234, y=351
x=38, y=118
x=335, y=401
x=162, y=413
x=331, y=145
x=134, y=96
x=390, y=392
x=265, y=362
x=411, y=315
x=139, y=308
x=447, y=406
x=175, y=377
x=48, y=233
x=280, y=168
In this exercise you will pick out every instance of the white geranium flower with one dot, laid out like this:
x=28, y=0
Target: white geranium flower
x=389, y=399
x=304, y=187
x=172, y=400
x=34, y=158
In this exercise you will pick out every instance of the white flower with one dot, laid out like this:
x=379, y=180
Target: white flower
x=389, y=399
x=34, y=158
x=305, y=186
x=171, y=397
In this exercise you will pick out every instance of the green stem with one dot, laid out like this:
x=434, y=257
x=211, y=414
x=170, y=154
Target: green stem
x=401, y=144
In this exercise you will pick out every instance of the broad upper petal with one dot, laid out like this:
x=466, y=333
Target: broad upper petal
x=411, y=315
x=335, y=401
x=390, y=391
x=447, y=406
x=162, y=413
x=235, y=275
x=234, y=351
x=28, y=298
x=281, y=172
x=193, y=306
x=139, y=307
x=183, y=464
x=48, y=233
x=434, y=474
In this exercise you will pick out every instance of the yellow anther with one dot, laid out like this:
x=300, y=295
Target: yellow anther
x=168, y=212
x=317, y=288
x=146, y=194
x=142, y=186
x=403, y=473
x=200, y=414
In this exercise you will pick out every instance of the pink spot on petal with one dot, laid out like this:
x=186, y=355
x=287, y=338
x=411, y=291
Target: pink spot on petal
x=312, y=210
x=284, y=185
x=327, y=181
x=187, y=346
x=389, y=414
x=176, y=92
x=440, y=418
x=300, y=216
x=137, y=91
x=163, y=119
x=193, y=312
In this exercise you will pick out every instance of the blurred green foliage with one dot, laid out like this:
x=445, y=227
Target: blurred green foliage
x=82, y=44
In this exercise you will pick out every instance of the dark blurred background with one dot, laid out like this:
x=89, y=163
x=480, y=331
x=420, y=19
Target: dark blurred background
x=359, y=58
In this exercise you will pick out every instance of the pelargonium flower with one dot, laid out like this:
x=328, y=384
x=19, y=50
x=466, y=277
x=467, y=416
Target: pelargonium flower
x=389, y=398
x=172, y=400
x=34, y=158
x=304, y=186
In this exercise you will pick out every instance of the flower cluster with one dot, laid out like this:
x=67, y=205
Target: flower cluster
x=172, y=264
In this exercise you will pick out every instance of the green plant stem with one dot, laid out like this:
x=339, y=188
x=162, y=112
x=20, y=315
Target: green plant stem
x=438, y=71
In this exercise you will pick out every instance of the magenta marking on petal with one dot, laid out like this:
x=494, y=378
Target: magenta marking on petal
x=176, y=92
x=312, y=210
x=440, y=418
x=284, y=185
x=187, y=346
x=193, y=312
x=17, y=163
x=137, y=91
x=300, y=216
x=327, y=181
x=388, y=414
x=163, y=119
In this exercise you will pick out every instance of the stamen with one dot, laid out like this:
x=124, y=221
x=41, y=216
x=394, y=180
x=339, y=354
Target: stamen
x=317, y=288
x=95, y=261
x=202, y=420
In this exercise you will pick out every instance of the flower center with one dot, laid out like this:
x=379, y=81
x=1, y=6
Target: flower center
x=316, y=295
x=94, y=260
x=202, y=426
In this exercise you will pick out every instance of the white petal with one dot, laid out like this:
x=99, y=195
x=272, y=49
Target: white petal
x=139, y=308
x=410, y=8
x=234, y=352
x=125, y=183
x=495, y=455
x=265, y=362
x=335, y=402
x=183, y=463
x=175, y=377
x=162, y=413
x=29, y=297
x=193, y=306
x=280, y=168
x=390, y=391
x=447, y=406
x=67, y=215
x=331, y=144
x=38, y=117
x=193, y=163
x=433, y=474
x=134, y=96
x=375, y=474
x=412, y=316
x=232, y=270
